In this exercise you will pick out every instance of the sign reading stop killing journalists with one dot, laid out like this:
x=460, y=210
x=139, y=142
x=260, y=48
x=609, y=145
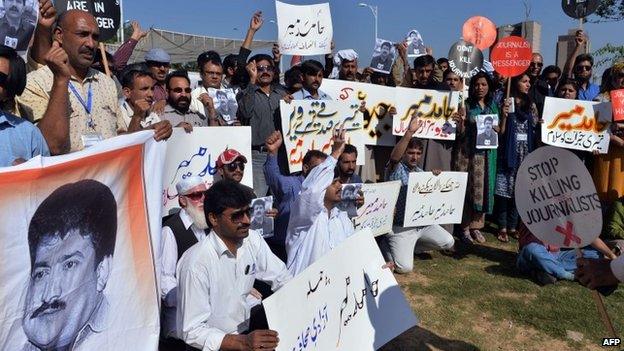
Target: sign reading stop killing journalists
x=557, y=199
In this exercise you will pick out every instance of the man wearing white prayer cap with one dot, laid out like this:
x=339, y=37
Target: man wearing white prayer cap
x=179, y=233
x=345, y=65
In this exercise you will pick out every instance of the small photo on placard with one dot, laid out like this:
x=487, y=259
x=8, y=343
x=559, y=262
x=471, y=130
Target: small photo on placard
x=383, y=56
x=18, y=19
x=348, y=195
x=259, y=219
x=487, y=138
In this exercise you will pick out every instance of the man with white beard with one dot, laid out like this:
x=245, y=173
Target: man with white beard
x=179, y=233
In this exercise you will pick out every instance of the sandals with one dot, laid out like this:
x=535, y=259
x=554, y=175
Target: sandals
x=466, y=239
x=502, y=236
x=477, y=236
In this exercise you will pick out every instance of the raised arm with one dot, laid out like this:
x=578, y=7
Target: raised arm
x=123, y=53
x=42, y=41
x=399, y=149
x=579, y=41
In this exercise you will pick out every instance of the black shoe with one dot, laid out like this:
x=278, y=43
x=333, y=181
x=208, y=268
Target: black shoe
x=542, y=278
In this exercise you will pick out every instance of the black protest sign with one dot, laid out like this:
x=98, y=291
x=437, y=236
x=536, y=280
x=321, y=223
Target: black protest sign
x=579, y=8
x=465, y=59
x=107, y=13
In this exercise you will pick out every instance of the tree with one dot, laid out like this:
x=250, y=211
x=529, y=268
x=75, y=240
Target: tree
x=609, y=11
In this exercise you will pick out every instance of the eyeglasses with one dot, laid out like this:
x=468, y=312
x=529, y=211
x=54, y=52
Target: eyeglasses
x=238, y=215
x=235, y=165
x=583, y=68
x=180, y=90
x=264, y=68
x=537, y=64
x=196, y=196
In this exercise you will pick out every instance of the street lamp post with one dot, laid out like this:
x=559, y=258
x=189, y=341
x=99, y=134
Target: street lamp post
x=374, y=11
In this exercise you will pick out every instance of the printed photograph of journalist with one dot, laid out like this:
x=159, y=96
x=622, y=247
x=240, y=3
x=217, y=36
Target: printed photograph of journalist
x=487, y=138
x=71, y=239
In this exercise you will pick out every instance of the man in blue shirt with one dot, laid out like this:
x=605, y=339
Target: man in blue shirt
x=20, y=140
x=312, y=79
x=582, y=68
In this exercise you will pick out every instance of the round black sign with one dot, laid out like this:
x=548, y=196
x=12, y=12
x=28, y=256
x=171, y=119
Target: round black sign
x=465, y=59
x=579, y=8
x=106, y=12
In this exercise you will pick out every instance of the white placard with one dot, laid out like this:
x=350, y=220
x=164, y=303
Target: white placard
x=377, y=213
x=576, y=124
x=434, y=108
x=78, y=255
x=557, y=199
x=195, y=154
x=343, y=301
x=308, y=125
x=377, y=99
x=304, y=29
x=435, y=199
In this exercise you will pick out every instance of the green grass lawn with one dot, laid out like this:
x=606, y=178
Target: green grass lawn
x=476, y=300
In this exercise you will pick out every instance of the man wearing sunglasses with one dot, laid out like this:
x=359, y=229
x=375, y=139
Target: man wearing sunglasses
x=258, y=107
x=177, y=111
x=231, y=165
x=216, y=276
x=582, y=68
x=158, y=62
x=179, y=233
x=539, y=87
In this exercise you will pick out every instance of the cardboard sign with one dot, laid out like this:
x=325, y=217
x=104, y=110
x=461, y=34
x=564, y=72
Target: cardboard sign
x=377, y=98
x=617, y=102
x=576, y=124
x=434, y=108
x=579, y=8
x=196, y=153
x=309, y=125
x=511, y=56
x=304, y=30
x=480, y=31
x=81, y=252
x=557, y=199
x=107, y=13
x=378, y=210
x=465, y=59
x=435, y=199
x=343, y=301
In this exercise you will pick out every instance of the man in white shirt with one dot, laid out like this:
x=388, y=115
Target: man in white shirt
x=216, y=276
x=137, y=107
x=179, y=233
x=316, y=224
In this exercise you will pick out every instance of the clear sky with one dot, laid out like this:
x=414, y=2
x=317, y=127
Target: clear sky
x=438, y=21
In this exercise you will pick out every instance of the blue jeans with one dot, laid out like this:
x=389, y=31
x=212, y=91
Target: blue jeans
x=260, y=186
x=507, y=213
x=560, y=264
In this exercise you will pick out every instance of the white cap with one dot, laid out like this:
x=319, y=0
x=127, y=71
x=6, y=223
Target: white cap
x=347, y=54
x=184, y=185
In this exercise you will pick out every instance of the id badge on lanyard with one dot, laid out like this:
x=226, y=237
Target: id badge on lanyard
x=92, y=137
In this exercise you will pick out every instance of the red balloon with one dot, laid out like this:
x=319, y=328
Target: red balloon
x=511, y=56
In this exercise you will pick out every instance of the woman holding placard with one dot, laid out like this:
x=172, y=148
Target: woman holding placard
x=518, y=140
x=480, y=164
x=609, y=168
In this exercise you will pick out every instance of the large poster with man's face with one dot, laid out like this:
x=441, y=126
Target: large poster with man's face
x=76, y=261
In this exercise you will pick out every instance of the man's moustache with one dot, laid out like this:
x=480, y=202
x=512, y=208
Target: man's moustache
x=54, y=305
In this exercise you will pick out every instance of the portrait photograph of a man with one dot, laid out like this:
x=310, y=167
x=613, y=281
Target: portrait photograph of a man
x=487, y=138
x=17, y=23
x=71, y=238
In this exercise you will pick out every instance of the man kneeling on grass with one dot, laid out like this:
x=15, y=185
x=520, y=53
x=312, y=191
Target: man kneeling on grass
x=403, y=241
x=547, y=263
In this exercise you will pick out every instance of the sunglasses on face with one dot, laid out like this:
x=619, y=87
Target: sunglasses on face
x=583, y=68
x=235, y=165
x=238, y=215
x=180, y=90
x=537, y=64
x=264, y=68
x=196, y=196
x=158, y=64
